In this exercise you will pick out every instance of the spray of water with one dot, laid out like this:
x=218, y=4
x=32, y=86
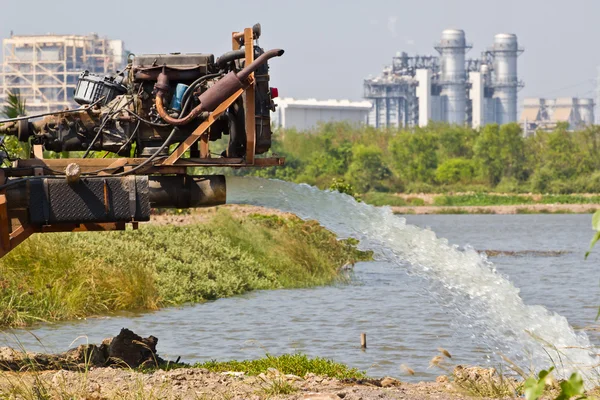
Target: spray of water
x=465, y=280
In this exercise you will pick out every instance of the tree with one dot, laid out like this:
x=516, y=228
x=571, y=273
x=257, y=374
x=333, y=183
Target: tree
x=500, y=152
x=14, y=107
x=367, y=169
x=415, y=156
x=455, y=170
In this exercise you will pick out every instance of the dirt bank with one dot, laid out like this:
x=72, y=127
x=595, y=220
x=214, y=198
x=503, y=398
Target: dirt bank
x=195, y=383
x=204, y=215
x=512, y=209
x=201, y=215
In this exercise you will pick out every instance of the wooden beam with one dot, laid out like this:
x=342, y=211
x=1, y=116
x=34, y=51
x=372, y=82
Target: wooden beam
x=201, y=130
x=119, y=163
x=25, y=167
x=85, y=227
x=250, y=106
x=38, y=151
x=4, y=224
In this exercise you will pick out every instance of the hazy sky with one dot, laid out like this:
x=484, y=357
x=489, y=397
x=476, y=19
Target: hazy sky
x=332, y=45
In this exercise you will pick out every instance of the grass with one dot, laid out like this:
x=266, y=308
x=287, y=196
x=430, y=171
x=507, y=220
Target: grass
x=295, y=364
x=444, y=201
x=569, y=199
x=69, y=275
x=481, y=199
x=384, y=199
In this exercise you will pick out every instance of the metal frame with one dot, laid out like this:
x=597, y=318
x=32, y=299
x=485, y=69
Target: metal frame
x=11, y=234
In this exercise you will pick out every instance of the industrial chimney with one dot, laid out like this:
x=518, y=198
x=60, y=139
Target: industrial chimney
x=505, y=82
x=452, y=48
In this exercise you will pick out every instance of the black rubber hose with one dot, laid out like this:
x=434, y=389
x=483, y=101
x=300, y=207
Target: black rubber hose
x=229, y=57
x=193, y=86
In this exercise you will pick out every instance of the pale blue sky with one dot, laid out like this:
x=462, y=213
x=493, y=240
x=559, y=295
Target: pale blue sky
x=331, y=46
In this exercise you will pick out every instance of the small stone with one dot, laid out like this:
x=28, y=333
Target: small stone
x=389, y=382
x=341, y=395
x=234, y=373
x=442, y=379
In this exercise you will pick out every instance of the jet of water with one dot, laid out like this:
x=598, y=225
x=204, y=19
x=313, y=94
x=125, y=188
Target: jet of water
x=467, y=281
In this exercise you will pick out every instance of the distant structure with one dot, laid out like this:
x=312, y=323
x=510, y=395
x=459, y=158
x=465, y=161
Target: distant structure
x=44, y=68
x=307, y=114
x=545, y=114
x=450, y=88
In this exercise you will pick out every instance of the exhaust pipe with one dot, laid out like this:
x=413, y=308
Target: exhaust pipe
x=214, y=96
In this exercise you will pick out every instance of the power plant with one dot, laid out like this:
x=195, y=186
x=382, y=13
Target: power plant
x=449, y=88
x=545, y=114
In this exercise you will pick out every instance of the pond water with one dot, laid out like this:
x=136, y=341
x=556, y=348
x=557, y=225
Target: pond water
x=406, y=317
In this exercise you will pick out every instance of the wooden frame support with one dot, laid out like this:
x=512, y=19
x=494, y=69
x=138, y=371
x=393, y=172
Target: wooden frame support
x=4, y=224
x=201, y=131
x=250, y=106
x=11, y=240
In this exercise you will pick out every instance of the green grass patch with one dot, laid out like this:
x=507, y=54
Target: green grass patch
x=68, y=275
x=569, y=199
x=383, y=199
x=296, y=364
x=443, y=210
x=544, y=211
x=481, y=199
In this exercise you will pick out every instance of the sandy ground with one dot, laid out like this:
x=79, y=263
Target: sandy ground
x=184, y=384
x=200, y=215
x=513, y=209
x=203, y=214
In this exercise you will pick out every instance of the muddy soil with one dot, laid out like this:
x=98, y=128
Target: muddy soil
x=513, y=209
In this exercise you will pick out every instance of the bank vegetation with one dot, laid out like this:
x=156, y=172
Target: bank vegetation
x=440, y=159
x=69, y=275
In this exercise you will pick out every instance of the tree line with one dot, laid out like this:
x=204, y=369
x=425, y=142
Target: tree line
x=440, y=158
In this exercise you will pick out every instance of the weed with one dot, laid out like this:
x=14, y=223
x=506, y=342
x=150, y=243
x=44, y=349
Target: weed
x=384, y=199
x=279, y=386
x=295, y=364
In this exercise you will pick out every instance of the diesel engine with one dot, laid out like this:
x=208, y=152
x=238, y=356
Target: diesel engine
x=159, y=100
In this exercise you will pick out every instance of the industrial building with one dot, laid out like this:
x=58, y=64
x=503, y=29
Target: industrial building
x=44, y=69
x=304, y=115
x=448, y=87
x=545, y=114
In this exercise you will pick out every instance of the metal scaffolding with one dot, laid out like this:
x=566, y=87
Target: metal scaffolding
x=43, y=69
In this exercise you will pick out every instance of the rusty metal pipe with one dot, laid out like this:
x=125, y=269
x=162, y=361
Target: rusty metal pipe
x=233, y=82
x=263, y=58
x=174, y=121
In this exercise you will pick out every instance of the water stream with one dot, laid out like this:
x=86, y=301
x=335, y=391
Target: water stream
x=461, y=278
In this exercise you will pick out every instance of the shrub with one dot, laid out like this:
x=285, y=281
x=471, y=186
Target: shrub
x=455, y=170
